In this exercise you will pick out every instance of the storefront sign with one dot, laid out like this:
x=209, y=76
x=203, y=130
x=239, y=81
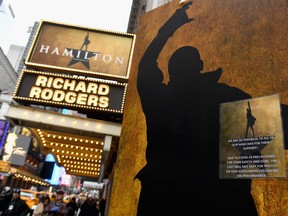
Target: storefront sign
x=90, y=184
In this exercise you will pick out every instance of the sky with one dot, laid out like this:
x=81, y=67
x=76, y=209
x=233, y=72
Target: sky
x=110, y=15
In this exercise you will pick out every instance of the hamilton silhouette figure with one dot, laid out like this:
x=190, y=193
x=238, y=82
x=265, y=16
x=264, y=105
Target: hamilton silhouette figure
x=181, y=175
x=250, y=121
x=86, y=42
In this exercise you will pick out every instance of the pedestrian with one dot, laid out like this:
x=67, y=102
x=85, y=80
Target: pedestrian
x=72, y=207
x=102, y=204
x=5, y=197
x=89, y=207
x=17, y=206
x=57, y=207
x=43, y=202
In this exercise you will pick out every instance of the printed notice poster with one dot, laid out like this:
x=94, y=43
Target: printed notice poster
x=251, y=142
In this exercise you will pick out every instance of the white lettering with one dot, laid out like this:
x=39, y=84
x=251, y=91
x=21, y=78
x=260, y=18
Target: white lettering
x=58, y=95
x=81, y=87
x=68, y=53
x=107, y=58
x=55, y=51
x=120, y=60
x=69, y=84
x=103, y=89
x=85, y=92
x=44, y=49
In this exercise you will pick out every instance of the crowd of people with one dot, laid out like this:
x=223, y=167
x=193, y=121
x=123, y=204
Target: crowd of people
x=11, y=204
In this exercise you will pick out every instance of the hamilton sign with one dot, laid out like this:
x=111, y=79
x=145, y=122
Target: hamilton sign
x=85, y=51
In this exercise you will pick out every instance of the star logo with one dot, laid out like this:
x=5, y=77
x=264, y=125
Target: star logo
x=82, y=55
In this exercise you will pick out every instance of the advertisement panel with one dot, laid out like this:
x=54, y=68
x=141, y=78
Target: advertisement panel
x=16, y=149
x=206, y=58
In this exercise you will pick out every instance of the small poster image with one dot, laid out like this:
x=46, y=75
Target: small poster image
x=251, y=139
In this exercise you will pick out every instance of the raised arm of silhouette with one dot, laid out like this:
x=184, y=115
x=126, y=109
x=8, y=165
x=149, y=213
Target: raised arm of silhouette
x=154, y=96
x=148, y=65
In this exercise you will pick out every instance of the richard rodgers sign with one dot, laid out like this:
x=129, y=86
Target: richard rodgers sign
x=67, y=91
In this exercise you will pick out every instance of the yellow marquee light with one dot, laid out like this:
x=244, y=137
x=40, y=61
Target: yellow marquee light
x=86, y=153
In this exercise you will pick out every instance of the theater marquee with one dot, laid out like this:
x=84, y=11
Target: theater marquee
x=68, y=91
x=81, y=50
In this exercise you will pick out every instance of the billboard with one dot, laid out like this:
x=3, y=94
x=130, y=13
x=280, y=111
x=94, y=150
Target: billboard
x=16, y=149
x=81, y=50
x=240, y=47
